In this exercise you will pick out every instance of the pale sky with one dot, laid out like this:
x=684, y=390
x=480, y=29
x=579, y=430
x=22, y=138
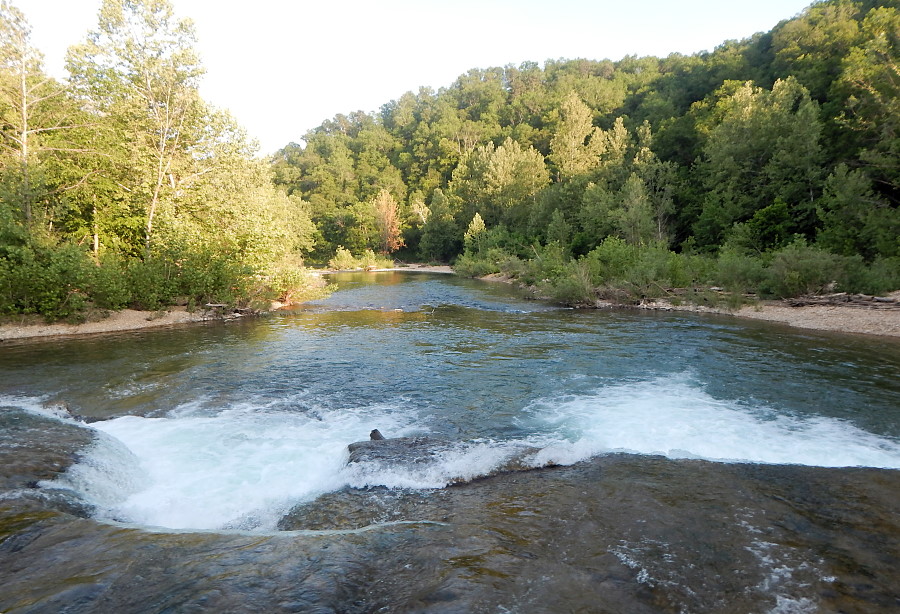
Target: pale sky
x=283, y=67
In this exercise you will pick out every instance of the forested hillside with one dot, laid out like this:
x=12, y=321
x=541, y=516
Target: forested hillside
x=779, y=149
x=769, y=165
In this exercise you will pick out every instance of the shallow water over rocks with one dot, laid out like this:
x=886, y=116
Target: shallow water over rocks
x=537, y=460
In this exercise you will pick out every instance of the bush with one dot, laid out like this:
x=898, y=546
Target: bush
x=611, y=260
x=574, y=288
x=881, y=277
x=801, y=269
x=290, y=282
x=45, y=280
x=739, y=273
x=208, y=276
x=109, y=287
x=479, y=266
x=343, y=260
x=370, y=260
x=151, y=283
x=550, y=262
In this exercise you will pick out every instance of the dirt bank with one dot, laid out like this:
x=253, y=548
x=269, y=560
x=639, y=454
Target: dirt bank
x=838, y=318
x=127, y=319
x=846, y=318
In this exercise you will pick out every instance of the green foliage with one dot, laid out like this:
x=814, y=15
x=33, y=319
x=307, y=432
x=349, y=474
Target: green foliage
x=802, y=269
x=151, y=283
x=738, y=272
x=583, y=173
x=343, y=260
x=441, y=238
x=473, y=236
x=290, y=282
x=574, y=287
x=44, y=279
x=109, y=286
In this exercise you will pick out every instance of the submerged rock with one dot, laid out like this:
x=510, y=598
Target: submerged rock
x=398, y=450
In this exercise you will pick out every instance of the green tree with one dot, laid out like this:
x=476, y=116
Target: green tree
x=500, y=182
x=854, y=219
x=473, y=232
x=576, y=145
x=633, y=216
x=440, y=234
x=764, y=145
x=871, y=75
x=35, y=121
x=139, y=70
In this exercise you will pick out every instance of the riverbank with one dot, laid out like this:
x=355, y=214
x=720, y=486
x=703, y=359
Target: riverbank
x=845, y=318
x=125, y=320
x=838, y=318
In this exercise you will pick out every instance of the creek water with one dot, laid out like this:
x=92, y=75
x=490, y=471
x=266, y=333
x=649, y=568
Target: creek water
x=551, y=460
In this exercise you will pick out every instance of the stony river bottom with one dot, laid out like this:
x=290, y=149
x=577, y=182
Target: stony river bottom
x=537, y=459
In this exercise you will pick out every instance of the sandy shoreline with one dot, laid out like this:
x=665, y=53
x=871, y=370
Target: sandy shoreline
x=125, y=320
x=836, y=318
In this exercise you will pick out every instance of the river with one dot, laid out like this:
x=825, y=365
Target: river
x=538, y=460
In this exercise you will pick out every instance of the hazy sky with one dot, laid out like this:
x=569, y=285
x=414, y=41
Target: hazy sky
x=283, y=66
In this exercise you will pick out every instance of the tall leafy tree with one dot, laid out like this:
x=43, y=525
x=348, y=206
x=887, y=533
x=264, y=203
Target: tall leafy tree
x=577, y=144
x=871, y=75
x=500, y=182
x=763, y=146
x=441, y=237
x=36, y=118
x=140, y=70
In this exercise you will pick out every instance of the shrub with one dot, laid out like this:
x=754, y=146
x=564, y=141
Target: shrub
x=738, y=272
x=151, y=283
x=471, y=266
x=574, y=287
x=47, y=280
x=109, y=287
x=290, y=282
x=801, y=269
x=343, y=260
x=550, y=262
x=370, y=260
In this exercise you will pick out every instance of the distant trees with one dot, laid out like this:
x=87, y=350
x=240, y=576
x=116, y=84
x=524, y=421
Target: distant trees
x=789, y=135
x=786, y=144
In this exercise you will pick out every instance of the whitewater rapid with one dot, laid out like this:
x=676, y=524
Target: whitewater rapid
x=243, y=467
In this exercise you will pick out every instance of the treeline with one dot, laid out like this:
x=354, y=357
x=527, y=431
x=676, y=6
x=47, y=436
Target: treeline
x=123, y=187
x=769, y=165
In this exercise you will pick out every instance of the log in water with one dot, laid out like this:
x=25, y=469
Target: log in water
x=549, y=460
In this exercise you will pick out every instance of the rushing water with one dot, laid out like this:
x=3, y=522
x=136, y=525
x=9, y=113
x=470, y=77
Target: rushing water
x=685, y=456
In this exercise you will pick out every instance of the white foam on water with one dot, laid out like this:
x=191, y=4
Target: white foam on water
x=244, y=467
x=675, y=417
x=239, y=469
x=37, y=405
x=453, y=463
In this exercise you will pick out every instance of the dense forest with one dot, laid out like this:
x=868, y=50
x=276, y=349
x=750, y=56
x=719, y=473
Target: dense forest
x=770, y=165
